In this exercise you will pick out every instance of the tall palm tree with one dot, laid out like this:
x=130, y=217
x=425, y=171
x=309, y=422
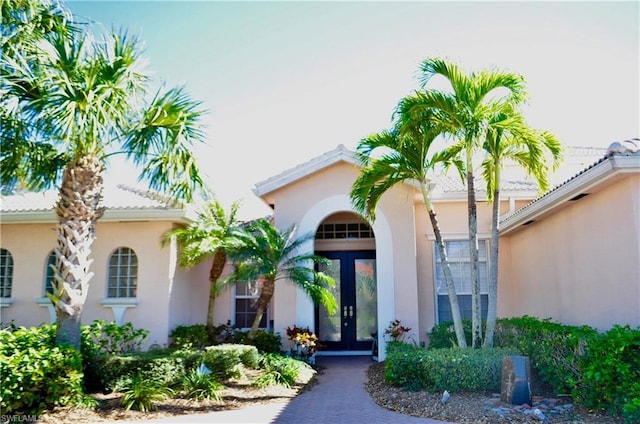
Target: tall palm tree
x=213, y=234
x=405, y=157
x=269, y=256
x=73, y=100
x=509, y=138
x=463, y=114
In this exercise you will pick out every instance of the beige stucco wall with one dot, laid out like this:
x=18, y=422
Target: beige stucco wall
x=30, y=245
x=579, y=265
x=295, y=201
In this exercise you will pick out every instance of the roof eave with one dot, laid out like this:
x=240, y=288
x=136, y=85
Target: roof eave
x=340, y=154
x=110, y=215
x=600, y=173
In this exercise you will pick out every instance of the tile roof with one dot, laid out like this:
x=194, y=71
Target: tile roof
x=114, y=197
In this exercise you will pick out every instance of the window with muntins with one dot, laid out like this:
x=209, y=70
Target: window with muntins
x=6, y=273
x=246, y=305
x=122, y=279
x=458, y=254
x=351, y=230
x=52, y=261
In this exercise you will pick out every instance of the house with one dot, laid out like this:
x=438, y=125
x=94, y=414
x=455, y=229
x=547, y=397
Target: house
x=572, y=254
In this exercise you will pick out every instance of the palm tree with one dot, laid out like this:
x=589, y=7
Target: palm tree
x=510, y=139
x=213, y=234
x=270, y=256
x=72, y=101
x=405, y=158
x=463, y=115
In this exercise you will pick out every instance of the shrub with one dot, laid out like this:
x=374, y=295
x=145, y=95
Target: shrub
x=264, y=341
x=102, y=337
x=611, y=373
x=225, y=360
x=143, y=394
x=452, y=369
x=200, y=385
x=443, y=335
x=197, y=337
x=114, y=371
x=35, y=374
x=278, y=370
x=555, y=349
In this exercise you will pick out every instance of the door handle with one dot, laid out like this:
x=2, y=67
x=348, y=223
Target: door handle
x=344, y=311
x=351, y=311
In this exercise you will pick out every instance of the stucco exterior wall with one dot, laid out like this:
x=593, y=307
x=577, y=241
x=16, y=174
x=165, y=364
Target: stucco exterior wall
x=309, y=201
x=579, y=265
x=30, y=245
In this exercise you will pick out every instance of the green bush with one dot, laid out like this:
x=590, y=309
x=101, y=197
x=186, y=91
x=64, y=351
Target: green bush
x=197, y=337
x=264, y=341
x=611, y=373
x=278, y=370
x=108, y=337
x=452, y=369
x=225, y=360
x=35, y=374
x=115, y=371
x=199, y=386
x=142, y=394
x=555, y=350
x=443, y=335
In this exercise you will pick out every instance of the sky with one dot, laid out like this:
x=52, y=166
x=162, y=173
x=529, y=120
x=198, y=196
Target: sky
x=284, y=82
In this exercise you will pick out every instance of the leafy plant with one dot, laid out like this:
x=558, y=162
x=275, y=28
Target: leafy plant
x=264, y=341
x=226, y=360
x=199, y=384
x=34, y=373
x=142, y=394
x=103, y=337
x=278, y=370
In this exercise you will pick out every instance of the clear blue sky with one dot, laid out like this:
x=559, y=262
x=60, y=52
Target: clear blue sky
x=287, y=81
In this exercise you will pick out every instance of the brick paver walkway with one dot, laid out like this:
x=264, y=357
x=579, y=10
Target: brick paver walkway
x=338, y=397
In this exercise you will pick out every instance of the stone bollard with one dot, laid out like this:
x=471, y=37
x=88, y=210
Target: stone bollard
x=516, y=372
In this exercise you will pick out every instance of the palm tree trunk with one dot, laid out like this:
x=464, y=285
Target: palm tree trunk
x=492, y=309
x=476, y=317
x=266, y=293
x=219, y=261
x=448, y=277
x=78, y=209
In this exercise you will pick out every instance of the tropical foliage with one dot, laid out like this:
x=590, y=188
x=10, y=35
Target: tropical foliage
x=213, y=234
x=70, y=99
x=269, y=256
x=404, y=154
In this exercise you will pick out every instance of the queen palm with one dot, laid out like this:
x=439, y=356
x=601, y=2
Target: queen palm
x=464, y=114
x=72, y=101
x=212, y=235
x=405, y=157
x=509, y=138
x=270, y=256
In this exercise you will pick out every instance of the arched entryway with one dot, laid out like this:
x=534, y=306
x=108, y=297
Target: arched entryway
x=348, y=243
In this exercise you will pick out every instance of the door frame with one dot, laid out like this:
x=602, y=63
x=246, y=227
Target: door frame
x=348, y=295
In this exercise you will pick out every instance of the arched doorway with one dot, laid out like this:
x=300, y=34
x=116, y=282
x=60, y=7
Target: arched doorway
x=348, y=243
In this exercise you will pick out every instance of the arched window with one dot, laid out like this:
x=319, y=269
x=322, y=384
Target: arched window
x=52, y=260
x=6, y=273
x=122, y=278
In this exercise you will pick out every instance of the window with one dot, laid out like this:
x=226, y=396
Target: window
x=246, y=302
x=6, y=273
x=52, y=260
x=123, y=273
x=353, y=230
x=458, y=254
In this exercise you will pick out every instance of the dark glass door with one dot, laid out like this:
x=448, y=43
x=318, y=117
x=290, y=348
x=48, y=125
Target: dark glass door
x=350, y=328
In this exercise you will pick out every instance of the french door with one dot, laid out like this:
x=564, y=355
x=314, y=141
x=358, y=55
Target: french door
x=351, y=327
